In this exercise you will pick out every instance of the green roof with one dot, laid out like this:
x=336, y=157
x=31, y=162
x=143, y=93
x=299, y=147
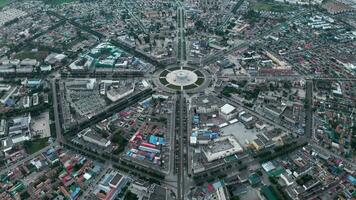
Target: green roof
x=276, y=172
x=267, y=191
x=254, y=179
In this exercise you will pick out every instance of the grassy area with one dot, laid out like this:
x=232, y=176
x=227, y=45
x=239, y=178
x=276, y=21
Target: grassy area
x=199, y=74
x=40, y=55
x=120, y=141
x=273, y=7
x=174, y=87
x=3, y=3
x=57, y=2
x=189, y=87
x=200, y=81
x=163, y=81
x=164, y=73
x=35, y=145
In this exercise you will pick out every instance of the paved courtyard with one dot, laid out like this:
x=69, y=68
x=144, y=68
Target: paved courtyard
x=182, y=77
x=40, y=125
x=242, y=134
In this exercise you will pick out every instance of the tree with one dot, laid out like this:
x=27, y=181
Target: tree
x=199, y=25
x=130, y=196
x=287, y=85
x=118, y=139
x=302, y=180
x=273, y=180
x=252, y=16
x=104, y=134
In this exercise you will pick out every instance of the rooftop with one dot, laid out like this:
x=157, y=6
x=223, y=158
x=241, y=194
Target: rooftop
x=227, y=109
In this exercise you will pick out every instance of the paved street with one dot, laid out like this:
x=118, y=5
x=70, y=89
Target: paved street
x=309, y=110
x=55, y=111
x=180, y=134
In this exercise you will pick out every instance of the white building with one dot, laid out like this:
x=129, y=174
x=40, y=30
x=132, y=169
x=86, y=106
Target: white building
x=81, y=84
x=85, y=62
x=7, y=95
x=227, y=111
x=287, y=179
x=115, y=94
x=29, y=62
x=20, y=125
x=5, y=87
x=46, y=68
x=260, y=125
x=2, y=127
x=268, y=166
x=246, y=118
x=26, y=102
x=54, y=58
x=35, y=99
x=221, y=194
x=20, y=139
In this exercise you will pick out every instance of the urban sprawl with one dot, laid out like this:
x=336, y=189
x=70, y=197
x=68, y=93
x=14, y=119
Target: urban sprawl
x=173, y=99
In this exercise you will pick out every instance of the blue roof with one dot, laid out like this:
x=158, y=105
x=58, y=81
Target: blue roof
x=146, y=103
x=9, y=102
x=154, y=140
x=136, y=62
x=75, y=193
x=35, y=82
x=351, y=179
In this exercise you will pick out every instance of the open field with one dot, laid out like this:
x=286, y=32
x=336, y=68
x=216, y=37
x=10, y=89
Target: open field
x=3, y=3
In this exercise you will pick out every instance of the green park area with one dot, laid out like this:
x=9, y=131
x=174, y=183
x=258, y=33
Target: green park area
x=273, y=7
x=35, y=145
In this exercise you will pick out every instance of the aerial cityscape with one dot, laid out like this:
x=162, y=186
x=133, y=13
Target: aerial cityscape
x=178, y=99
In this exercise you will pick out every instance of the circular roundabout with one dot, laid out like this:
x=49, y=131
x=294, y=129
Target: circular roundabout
x=182, y=78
